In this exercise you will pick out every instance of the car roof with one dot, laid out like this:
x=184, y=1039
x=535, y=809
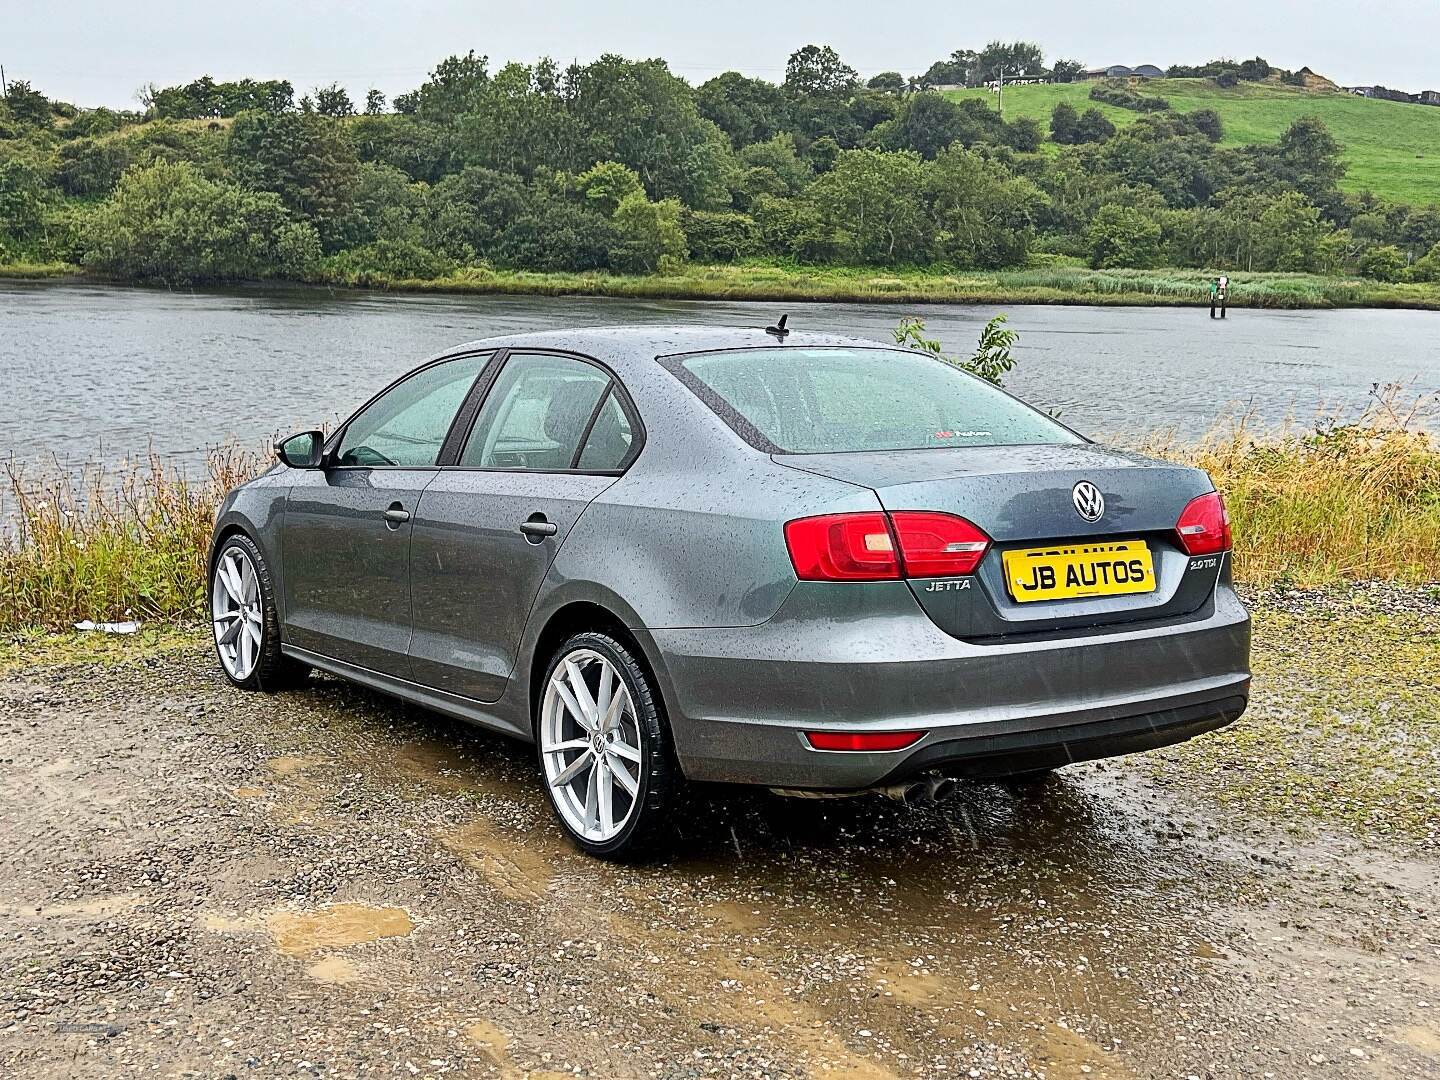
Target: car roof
x=630, y=343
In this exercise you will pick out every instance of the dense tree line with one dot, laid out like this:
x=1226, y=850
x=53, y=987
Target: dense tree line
x=622, y=165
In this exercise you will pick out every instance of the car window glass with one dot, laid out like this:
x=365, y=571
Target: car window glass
x=407, y=424
x=824, y=400
x=608, y=444
x=536, y=414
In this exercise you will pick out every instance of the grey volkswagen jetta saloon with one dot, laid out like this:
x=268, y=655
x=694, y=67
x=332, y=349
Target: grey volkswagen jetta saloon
x=813, y=563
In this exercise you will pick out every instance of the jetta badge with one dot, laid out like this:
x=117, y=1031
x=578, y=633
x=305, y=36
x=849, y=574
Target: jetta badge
x=1089, y=503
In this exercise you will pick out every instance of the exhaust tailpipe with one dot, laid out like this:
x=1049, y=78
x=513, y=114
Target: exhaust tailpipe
x=927, y=790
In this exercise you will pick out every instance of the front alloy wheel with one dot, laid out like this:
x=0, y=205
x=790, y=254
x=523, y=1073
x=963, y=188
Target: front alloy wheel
x=236, y=612
x=602, y=746
x=245, y=620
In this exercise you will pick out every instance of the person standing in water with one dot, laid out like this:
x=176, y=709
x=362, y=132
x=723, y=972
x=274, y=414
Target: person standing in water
x=1219, y=293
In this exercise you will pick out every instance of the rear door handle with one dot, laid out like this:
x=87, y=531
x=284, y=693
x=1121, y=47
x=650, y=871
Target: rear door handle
x=396, y=516
x=539, y=528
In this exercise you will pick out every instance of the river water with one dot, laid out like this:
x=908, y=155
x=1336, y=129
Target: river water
x=97, y=374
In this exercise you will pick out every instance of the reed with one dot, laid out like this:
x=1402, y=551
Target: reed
x=1354, y=500
x=110, y=545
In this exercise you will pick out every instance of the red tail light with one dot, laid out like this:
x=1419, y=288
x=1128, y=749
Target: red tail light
x=861, y=547
x=842, y=547
x=863, y=740
x=1204, y=525
x=938, y=545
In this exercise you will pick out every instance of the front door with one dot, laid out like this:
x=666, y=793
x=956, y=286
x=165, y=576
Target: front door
x=347, y=527
x=551, y=436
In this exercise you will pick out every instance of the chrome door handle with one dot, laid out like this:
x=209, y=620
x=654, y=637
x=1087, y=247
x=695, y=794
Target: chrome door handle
x=539, y=528
x=397, y=515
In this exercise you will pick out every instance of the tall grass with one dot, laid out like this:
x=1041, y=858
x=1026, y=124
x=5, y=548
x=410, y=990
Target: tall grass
x=1341, y=501
x=129, y=544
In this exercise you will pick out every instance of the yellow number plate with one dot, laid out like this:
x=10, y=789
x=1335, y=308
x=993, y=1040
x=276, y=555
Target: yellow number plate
x=1064, y=573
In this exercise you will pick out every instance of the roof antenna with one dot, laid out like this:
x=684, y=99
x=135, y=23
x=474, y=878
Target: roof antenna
x=778, y=330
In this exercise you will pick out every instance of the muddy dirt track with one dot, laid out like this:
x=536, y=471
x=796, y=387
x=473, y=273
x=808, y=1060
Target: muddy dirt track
x=199, y=882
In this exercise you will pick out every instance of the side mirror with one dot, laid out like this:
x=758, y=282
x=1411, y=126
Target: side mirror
x=302, y=451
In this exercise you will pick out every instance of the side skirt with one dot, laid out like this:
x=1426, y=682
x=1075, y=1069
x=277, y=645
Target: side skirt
x=461, y=708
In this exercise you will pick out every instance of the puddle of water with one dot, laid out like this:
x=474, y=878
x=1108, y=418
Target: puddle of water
x=292, y=764
x=441, y=765
x=299, y=933
x=438, y=766
x=93, y=908
x=516, y=871
x=495, y=1043
x=1424, y=1038
x=336, y=970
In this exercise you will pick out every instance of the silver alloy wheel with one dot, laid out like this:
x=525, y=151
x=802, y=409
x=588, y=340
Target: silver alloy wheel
x=590, y=743
x=237, y=613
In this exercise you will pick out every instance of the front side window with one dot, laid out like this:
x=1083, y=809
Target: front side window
x=536, y=414
x=831, y=400
x=408, y=423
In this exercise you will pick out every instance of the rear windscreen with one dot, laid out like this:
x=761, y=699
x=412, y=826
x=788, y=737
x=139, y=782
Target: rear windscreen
x=815, y=401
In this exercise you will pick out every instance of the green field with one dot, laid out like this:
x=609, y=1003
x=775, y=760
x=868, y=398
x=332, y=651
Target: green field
x=1392, y=149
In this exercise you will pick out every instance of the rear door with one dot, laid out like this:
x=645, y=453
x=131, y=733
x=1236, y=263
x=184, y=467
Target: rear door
x=346, y=531
x=555, y=430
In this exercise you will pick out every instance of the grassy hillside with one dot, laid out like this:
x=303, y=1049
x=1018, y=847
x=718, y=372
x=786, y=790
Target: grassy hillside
x=1391, y=148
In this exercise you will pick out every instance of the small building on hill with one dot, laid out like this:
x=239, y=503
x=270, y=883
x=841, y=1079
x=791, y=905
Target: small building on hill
x=1383, y=93
x=1428, y=97
x=1120, y=71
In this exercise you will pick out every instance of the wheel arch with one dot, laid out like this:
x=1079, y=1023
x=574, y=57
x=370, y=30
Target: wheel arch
x=576, y=616
x=232, y=522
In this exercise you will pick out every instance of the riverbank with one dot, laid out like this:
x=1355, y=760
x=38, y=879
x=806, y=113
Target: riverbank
x=1056, y=284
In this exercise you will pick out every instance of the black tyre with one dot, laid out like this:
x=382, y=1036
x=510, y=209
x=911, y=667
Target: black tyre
x=604, y=748
x=245, y=621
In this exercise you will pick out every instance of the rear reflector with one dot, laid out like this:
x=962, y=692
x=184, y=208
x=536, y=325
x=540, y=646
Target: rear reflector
x=861, y=547
x=874, y=740
x=1204, y=525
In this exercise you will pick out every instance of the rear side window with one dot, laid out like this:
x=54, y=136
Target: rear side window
x=608, y=445
x=828, y=400
x=536, y=414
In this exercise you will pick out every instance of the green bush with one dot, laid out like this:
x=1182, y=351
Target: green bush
x=1427, y=267
x=1123, y=97
x=169, y=223
x=646, y=232
x=385, y=260
x=719, y=236
x=1123, y=236
x=557, y=236
x=1384, y=263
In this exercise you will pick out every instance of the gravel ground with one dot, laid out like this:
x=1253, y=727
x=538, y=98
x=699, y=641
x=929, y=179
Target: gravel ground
x=200, y=882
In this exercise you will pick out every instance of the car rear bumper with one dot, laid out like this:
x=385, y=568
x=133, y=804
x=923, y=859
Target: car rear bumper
x=741, y=698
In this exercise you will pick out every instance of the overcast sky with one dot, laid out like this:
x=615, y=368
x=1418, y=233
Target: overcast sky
x=99, y=52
